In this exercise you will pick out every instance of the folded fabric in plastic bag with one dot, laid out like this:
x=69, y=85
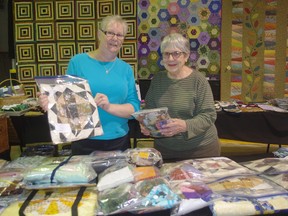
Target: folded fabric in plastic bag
x=246, y=186
x=101, y=160
x=238, y=206
x=72, y=111
x=153, y=119
x=118, y=199
x=72, y=201
x=204, y=169
x=10, y=182
x=268, y=166
x=195, y=195
x=56, y=172
x=144, y=157
x=115, y=176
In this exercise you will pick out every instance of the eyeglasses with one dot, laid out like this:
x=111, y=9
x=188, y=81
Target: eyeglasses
x=175, y=55
x=112, y=34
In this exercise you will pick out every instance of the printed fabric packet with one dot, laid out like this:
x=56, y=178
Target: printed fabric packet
x=153, y=119
x=72, y=111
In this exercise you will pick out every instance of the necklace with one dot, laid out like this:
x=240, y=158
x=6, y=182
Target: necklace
x=107, y=70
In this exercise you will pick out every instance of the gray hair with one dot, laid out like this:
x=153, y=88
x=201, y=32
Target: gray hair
x=114, y=19
x=175, y=40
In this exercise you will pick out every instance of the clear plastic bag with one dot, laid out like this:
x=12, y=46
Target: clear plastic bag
x=144, y=157
x=72, y=111
x=101, y=160
x=121, y=173
x=195, y=195
x=268, y=166
x=119, y=199
x=246, y=186
x=56, y=172
x=153, y=119
x=10, y=182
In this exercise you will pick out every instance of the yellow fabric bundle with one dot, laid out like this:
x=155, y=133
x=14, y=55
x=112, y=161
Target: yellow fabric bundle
x=56, y=202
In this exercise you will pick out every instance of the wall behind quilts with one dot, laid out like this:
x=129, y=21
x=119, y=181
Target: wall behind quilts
x=241, y=42
x=48, y=33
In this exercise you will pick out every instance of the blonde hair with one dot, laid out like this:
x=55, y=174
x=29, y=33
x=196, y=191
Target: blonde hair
x=175, y=40
x=114, y=19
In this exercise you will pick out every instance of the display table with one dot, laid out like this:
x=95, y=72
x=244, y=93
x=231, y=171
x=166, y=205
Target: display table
x=262, y=127
x=250, y=188
x=31, y=129
x=4, y=144
x=35, y=129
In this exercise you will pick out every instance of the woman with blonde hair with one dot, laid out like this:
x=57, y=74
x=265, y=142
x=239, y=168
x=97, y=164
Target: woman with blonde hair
x=112, y=84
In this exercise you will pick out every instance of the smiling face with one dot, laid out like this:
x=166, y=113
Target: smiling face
x=175, y=49
x=109, y=42
x=174, y=60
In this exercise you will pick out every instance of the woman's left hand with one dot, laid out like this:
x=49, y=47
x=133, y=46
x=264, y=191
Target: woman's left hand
x=102, y=101
x=173, y=127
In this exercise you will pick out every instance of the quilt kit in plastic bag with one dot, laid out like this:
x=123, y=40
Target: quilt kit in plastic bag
x=72, y=111
x=153, y=119
x=57, y=202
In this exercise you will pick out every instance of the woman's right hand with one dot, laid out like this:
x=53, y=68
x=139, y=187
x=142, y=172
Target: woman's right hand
x=43, y=101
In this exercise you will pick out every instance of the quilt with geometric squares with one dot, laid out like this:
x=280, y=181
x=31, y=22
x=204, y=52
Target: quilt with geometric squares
x=72, y=111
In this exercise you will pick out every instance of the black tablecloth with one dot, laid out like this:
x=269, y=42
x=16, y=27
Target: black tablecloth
x=32, y=129
x=263, y=127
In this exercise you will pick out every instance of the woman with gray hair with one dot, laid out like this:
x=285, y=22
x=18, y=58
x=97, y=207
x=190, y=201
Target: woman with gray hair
x=191, y=133
x=112, y=84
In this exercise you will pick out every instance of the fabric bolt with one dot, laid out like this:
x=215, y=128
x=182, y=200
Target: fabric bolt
x=118, y=85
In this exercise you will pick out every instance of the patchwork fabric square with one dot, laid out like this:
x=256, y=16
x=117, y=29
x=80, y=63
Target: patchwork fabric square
x=72, y=111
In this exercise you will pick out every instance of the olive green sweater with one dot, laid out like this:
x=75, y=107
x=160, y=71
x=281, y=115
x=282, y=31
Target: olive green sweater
x=190, y=99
